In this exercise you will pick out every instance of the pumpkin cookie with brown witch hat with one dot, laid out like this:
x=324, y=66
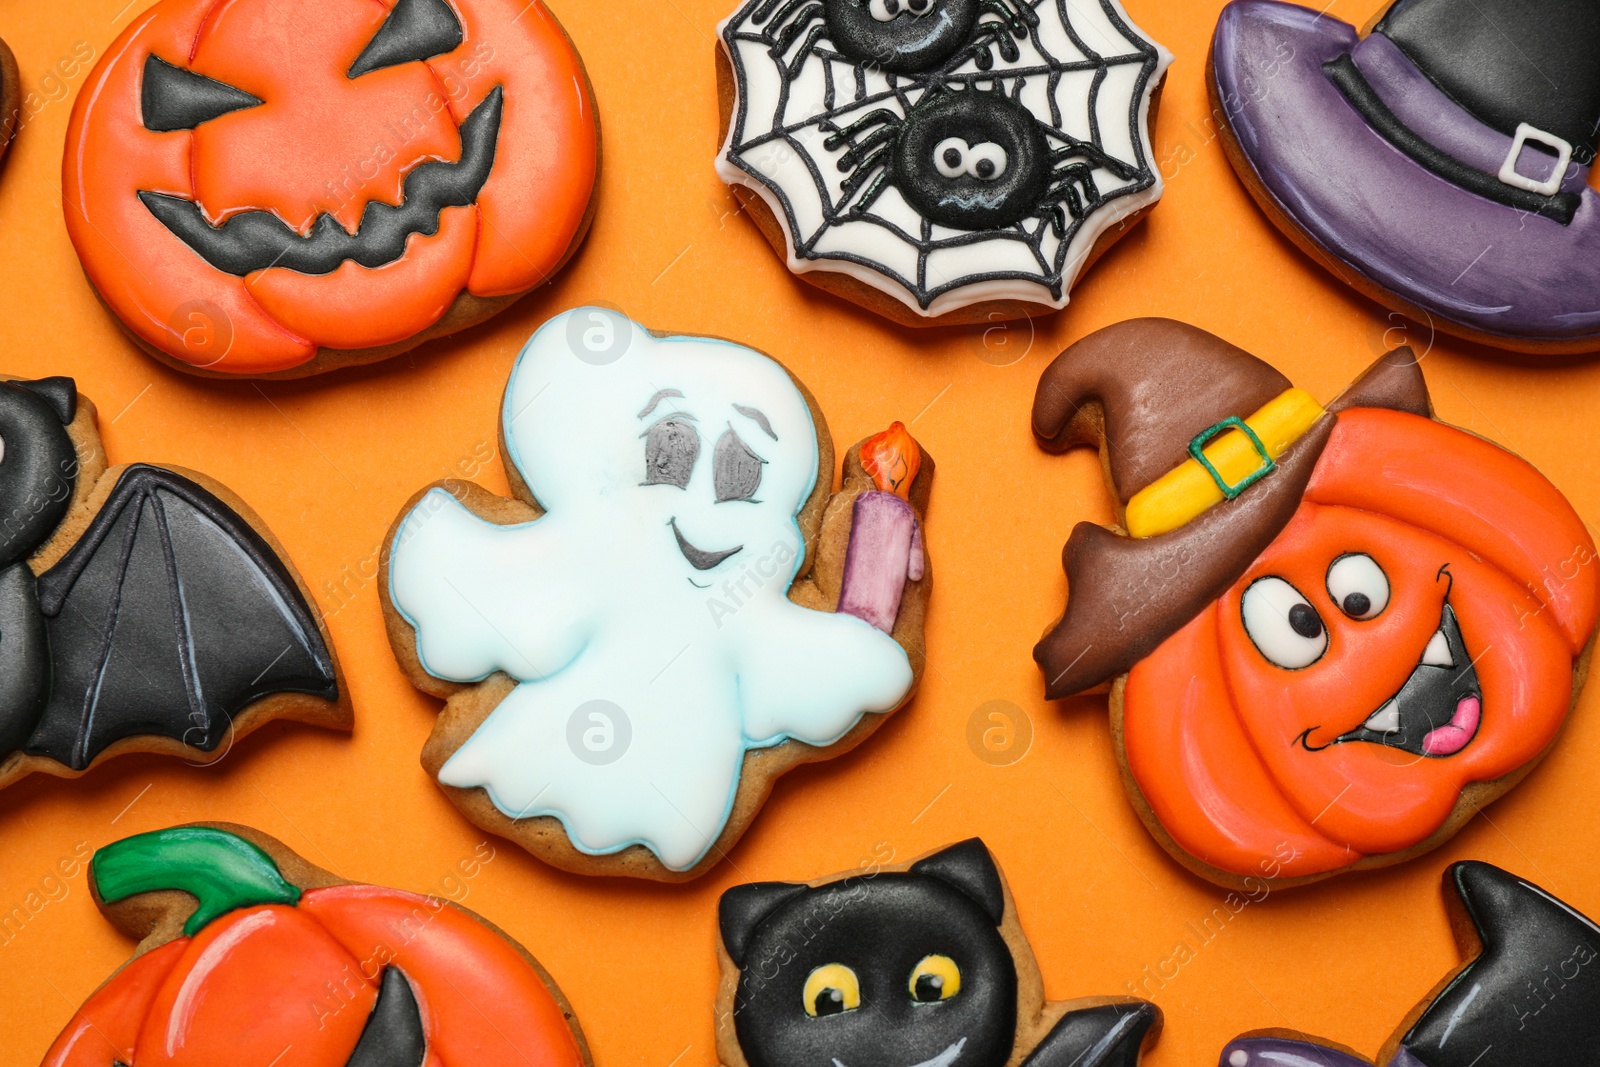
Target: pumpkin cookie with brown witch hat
x=1331, y=632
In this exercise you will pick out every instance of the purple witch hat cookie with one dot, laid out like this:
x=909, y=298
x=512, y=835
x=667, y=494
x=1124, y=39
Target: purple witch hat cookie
x=1528, y=995
x=1439, y=164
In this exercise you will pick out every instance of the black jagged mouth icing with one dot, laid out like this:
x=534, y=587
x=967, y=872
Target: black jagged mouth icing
x=256, y=240
x=1436, y=713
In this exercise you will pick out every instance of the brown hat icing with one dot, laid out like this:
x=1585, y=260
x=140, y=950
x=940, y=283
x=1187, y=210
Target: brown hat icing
x=1142, y=390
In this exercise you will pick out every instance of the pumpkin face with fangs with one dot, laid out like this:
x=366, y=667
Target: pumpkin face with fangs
x=282, y=186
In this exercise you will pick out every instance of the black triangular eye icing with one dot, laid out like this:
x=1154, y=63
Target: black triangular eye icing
x=415, y=30
x=393, y=1036
x=176, y=99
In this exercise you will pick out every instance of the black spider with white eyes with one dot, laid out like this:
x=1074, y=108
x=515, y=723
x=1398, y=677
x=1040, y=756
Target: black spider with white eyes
x=897, y=36
x=972, y=160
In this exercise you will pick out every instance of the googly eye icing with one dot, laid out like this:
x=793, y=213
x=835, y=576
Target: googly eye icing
x=950, y=157
x=1282, y=624
x=1358, y=585
x=986, y=161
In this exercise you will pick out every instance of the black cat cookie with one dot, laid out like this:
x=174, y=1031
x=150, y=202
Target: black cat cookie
x=142, y=609
x=923, y=964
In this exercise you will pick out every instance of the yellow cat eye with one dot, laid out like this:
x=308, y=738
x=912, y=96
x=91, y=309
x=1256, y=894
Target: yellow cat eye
x=831, y=989
x=934, y=979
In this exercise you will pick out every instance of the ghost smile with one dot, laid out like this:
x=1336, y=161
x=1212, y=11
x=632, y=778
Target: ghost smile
x=1436, y=712
x=255, y=240
x=699, y=558
x=943, y=1059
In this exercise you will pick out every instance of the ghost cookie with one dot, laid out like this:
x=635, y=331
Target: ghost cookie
x=142, y=609
x=1439, y=163
x=277, y=188
x=10, y=98
x=1528, y=994
x=676, y=608
x=1331, y=633
x=249, y=954
x=923, y=964
x=940, y=161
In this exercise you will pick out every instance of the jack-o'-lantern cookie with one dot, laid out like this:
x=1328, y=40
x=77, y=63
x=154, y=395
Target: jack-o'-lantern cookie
x=889, y=966
x=940, y=161
x=1528, y=994
x=249, y=954
x=1439, y=163
x=676, y=608
x=1334, y=632
x=142, y=609
x=276, y=188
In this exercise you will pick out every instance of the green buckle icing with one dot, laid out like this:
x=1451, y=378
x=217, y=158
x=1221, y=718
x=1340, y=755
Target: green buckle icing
x=1204, y=437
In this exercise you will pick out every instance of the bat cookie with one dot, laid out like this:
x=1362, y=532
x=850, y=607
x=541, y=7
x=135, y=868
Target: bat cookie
x=922, y=965
x=940, y=161
x=1439, y=163
x=248, y=954
x=676, y=608
x=277, y=188
x=141, y=609
x=1528, y=994
x=1332, y=633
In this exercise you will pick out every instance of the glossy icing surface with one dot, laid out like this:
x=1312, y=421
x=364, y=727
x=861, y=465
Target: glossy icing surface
x=609, y=599
x=397, y=157
x=963, y=169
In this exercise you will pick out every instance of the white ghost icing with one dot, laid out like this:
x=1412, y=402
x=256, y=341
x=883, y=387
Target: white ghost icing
x=595, y=600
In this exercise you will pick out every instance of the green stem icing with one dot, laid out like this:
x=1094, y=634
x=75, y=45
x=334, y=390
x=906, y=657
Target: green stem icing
x=221, y=870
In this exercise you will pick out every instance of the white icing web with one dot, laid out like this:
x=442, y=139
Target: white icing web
x=1084, y=73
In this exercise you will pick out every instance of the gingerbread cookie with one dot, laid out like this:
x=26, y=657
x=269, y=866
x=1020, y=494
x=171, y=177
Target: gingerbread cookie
x=276, y=188
x=249, y=954
x=1527, y=996
x=142, y=609
x=920, y=964
x=675, y=609
x=940, y=161
x=1439, y=164
x=10, y=97
x=1332, y=633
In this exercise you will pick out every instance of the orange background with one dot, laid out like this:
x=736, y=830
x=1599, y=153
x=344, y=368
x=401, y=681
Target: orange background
x=329, y=462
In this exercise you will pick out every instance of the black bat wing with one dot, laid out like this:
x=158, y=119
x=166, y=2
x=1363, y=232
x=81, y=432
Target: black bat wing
x=168, y=617
x=1110, y=1035
x=24, y=658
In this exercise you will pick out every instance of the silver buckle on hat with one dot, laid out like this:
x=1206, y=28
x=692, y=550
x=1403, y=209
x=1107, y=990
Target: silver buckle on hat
x=1513, y=177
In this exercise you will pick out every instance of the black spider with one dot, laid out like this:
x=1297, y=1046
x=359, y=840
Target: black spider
x=898, y=36
x=971, y=160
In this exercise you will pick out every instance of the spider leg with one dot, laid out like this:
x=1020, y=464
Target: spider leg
x=873, y=164
x=1095, y=158
x=761, y=13
x=791, y=22
x=860, y=149
x=792, y=71
x=1015, y=21
x=880, y=117
x=872, y=193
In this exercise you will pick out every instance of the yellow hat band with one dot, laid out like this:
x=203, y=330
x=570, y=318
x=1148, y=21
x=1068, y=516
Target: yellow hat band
x=1223, y=461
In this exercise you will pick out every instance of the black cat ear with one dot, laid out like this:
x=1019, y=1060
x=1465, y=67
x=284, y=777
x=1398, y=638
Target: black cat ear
x=60, y=393
x=742, y=909
x=969, y=867
x=393, y=1036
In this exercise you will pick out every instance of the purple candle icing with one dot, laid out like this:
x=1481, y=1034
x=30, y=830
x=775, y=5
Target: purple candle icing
x=885, y=552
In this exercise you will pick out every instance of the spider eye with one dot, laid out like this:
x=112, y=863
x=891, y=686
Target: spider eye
x=171, y=98
x=883, y=10
x=831, y=989
x=934, y=979
x=735, y=470
x=1358, y=585
x=671, y=448
x=986, y=161
x=415, y=30
x=1282, y=624
x=919, y=7
x=950, y=157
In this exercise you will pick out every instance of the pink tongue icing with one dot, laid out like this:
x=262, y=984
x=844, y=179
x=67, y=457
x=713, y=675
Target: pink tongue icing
x=1453, y=736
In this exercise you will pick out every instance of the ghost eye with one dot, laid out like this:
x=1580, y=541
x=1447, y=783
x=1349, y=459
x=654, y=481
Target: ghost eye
x=415, y=30
x=831, y=989
x=1282, y=624
x=934, y=979
x=171, y=98
x=883, y=10
x=735, y=470
x=1358, y=585
x=950, y=157
x=986, y=161
x=671, y=448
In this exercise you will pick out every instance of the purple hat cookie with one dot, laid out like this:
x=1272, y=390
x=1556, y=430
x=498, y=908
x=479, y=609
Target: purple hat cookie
x=1529, y=996
x=1439, y=164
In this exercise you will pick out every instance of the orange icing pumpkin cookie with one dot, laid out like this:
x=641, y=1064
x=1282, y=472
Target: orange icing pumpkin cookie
x=1331, y=633
x=250, y=954
x=277, y=188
